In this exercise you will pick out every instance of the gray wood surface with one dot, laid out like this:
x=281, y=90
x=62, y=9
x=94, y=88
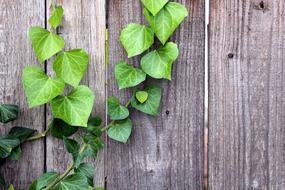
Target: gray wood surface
x=164, y=152
x=16, y=53
x=246, y=103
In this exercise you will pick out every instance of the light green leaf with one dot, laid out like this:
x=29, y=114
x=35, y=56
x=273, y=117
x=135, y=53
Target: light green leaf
x=8, y=112
x=45, y=43
x=167, y=20
x=56, y=16
x=127, y=75
x=73, y=182
x=141, y=96
x=72, y=147
x=115, y=110
x=43, y=181
x=136, y=39
x=11, y=187
x=21, y=133
x=75, y=108
x=60, y=129
x=7, y=145
x=39, y=87
x=158, y=63
x=121, y=130
x=154, y=6
x=87, y=170
x=153, y=102
x=71, y=66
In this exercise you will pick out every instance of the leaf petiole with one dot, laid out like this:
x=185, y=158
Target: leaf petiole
x=40, y=135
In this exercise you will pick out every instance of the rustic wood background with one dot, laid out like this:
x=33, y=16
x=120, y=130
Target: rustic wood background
x=245, y=145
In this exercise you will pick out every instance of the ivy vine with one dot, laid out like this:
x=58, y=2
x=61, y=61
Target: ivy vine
x=73, y=111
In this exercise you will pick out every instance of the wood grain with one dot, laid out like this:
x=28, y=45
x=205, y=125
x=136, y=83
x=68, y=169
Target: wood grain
x=83, y=27
x=246, y=103
x=164, y=152
x=16, y=16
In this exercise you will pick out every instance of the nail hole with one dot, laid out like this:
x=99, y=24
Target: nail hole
x=230, y=55
x=167, y=112
x=261, y=5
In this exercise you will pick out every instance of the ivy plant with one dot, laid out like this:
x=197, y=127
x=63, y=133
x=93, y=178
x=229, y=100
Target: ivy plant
x=72, y=109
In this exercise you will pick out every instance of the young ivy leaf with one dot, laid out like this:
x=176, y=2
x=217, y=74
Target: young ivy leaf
x=167, y=20
x=141, y=96
x=45, y=43
x=7, y=145
x=87, y=170
x=136, y=39
x=43, y=181
x=60, y=129
x=75, y=108
x=154, y=6
x=151, y=105
x=115, y=110
x=8, y=112
x=158, y=63
x=73, y=182
x=121, y=131
x=71, y=66
x=72, y=147
x=128, y=76
x=56, y=16
x=40, y=88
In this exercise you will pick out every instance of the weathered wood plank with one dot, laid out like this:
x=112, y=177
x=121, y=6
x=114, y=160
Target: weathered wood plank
x=15, y=53
x=83, y=27
x=164, y=152
x=246, y=103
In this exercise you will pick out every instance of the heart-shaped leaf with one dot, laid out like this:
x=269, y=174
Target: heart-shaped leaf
x=39, y=87
x=136, y=39
x=60, y=129
x=128, y=76
x=45, y=43
x=7, y=145
x=154, y=6
x=71, y=66
x=115, y=110
x=141, y=96
x=72, y=147
x=21, y=133
x=87, y=170
x=75, y=108
x=158, y=63
x=153, y=102
x=73, y=182
x=167, y=20
x=8, y=112
x=56, y=16
x=121, y=131
x=43, y=181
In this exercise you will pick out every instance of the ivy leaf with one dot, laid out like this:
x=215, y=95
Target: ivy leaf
x=154, y=6
x=40, y=88
x=11, y=187
x=21, y=133
x=121, y=131
x=2, y=181
x=45, y=43
x=73, y=182
x=167, y=20
x=136, y=39
x=93, y=126
x=158, y=63
x=8, y=112
x=141, y=96
x=72, y=147
x=59, y=129
x=128, y=76
x=15, y=154
x=7, y=145
x=43, y=181
x=87, y=170
x=71, y=66
x=153, y=102
x=56, y=16
x=75, y=108
x=115, y=110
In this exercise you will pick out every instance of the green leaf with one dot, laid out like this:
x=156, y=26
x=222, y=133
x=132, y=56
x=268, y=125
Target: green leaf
x=11, y=187
x=136, y=39
x=2, y=181
x=40, y=88
x=141, y=96
x=8, y=112
x=93, y=126
x=128, y=76
x=158, y=63
x=167, y=20
x=154, y=6
x=45, y=43
x=121, y=130
x=153, y=102
x=15, y=154
x=7, y=145
x=75, y=108
x=72, y=147
x=59, y=129
x=43, y=181
x=21, y=133
x=115, y=110
x=87, y=170
x=56, y=16
x=71, y=66
x=73, y=182
x=99, y=188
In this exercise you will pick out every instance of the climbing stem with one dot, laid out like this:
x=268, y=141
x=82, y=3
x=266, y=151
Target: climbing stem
x=40, y=135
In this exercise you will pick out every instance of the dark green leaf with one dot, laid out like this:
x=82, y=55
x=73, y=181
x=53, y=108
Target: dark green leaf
x=72, y=147
x=153, y=102
x=2, y=182
x=56, y=16
x=15, y=154
x=154, y=6
x=87, y=170
x=121, y=131
x=73, y=182
x=141, y=96
x=43, y=181
x=115, y=110
x=59, y=129
x=21, y=133
x=8, y=112
x=7, y=145
x=93, y=126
